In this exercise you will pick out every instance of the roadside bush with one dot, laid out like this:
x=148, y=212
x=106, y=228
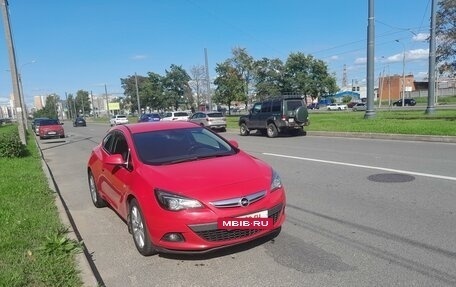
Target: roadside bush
x=10, y=143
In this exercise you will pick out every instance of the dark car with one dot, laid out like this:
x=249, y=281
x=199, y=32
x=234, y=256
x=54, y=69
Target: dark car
x=151, y=117
x=79, y=122
x=407, y=102
x=276, y=115
x=313, y=106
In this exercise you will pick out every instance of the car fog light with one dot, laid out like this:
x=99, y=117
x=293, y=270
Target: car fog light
x=173, y=237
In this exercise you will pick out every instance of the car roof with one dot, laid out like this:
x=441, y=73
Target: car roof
x=157, y=126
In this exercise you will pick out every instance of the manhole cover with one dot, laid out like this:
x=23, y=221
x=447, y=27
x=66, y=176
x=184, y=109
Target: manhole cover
x=390, y=177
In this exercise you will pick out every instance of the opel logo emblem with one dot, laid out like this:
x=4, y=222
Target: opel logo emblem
x=244, y=202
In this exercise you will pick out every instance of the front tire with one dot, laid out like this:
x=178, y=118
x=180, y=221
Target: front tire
x=272, y=131
x=96, y=198
x=139, y=230
x=244, y=130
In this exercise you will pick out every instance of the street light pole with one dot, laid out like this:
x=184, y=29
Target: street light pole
x=403, y=72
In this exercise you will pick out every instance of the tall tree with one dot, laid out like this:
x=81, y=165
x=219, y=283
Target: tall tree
x=230, y=85
x=243, y=63
x=82, y=102
x=198, y=83
x=446, y=35
x=177, y=88
x=268, y=77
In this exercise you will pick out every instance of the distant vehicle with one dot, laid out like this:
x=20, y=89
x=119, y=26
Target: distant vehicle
x=50, y=128
x=336, y=107
x=213, y=120
x=118, y=120
x=313, y=106
x=175, y=116
x=359, y=107
x=350, y=105
x=79, y=122
x=151, y=117
x=276, y=115
x=407, y=102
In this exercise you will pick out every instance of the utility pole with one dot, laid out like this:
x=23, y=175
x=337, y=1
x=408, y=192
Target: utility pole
x=208, y=81
x=431, y=85
x=370, y=112
x=107, y=101
x=14, y=75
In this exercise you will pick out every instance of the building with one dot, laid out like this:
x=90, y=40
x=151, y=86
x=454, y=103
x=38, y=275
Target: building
x=390, y=87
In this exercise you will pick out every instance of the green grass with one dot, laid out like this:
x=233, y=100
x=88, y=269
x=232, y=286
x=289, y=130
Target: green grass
x=442, y=123
x=34, y=249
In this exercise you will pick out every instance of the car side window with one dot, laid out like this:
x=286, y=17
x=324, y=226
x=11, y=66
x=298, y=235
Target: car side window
x=121, y=146
x=276, y=104
x=108, y=143
x=266, y=107
x=256, y=108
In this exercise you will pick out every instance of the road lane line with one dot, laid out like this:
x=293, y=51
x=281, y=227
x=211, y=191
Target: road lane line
x=364, y=166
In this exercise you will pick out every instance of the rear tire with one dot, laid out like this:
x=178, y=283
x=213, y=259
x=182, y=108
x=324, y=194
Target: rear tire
x=272, y=131
x=244, y=130
x=138, y=228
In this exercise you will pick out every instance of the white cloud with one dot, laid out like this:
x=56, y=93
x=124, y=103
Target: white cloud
x=421, y=76
x=417, y=54
x=420, y=37
x=334, y=58
x=360, y=61
x=139, y=57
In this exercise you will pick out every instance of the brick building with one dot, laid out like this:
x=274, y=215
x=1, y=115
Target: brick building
x=390, y=87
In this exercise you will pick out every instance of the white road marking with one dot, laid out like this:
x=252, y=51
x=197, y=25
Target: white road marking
x=364, y=166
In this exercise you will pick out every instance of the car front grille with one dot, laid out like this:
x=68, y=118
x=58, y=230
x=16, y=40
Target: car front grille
x=209, y=232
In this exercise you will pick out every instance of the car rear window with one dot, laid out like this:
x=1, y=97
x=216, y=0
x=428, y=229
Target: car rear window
x=292, y=105
x=181, y=114
x=215, y=115
x=49, y=122
x=121, y=117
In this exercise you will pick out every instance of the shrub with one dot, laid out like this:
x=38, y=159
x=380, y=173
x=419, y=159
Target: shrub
x=10, y=143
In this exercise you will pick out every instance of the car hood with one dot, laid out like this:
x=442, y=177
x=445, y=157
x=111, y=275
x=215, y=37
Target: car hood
x=211, y=179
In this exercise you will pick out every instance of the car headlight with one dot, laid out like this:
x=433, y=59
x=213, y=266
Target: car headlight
x=175, y=202
x=276, y=182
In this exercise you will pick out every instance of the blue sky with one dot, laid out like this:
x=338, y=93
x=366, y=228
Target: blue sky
x=64, y=46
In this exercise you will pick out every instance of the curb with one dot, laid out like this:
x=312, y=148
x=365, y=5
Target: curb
x=85, y=268
x=425, y=138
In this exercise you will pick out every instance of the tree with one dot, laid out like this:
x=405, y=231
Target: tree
x=177, y=88
x=82, y=102
x=268, y=77
x=230, y=84
x=50, y=109
x=243, y=63
x=446, y=33
x=198, y=83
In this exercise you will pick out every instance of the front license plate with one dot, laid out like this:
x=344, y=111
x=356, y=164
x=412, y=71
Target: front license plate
x=260, y=214
x=51, y=133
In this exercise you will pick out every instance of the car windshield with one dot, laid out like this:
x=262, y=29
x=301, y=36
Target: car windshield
x=180, y=145
x=181, y=114
x=49, y=122
x=121, y=117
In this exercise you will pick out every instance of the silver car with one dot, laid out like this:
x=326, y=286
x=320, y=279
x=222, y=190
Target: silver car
x=213, y=120
x=359, y=107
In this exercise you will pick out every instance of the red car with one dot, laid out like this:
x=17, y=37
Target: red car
x=51, y=128
x=174, y=182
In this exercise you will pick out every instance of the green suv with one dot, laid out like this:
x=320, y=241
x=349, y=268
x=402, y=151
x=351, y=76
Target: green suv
x=276, y=115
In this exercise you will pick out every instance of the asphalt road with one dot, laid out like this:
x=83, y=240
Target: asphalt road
x=361, y=212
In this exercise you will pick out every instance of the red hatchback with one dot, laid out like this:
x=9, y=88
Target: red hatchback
x=51, y=128
x=174, y=183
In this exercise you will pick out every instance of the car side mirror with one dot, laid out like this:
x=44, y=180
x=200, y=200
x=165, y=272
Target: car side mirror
x=114, y=159
x=234, y=143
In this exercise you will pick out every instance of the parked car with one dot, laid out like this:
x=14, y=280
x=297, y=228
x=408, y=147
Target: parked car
x=313, y=106
x=118, y=120
x=276, y=115
x=175, y=116
x=359, y=107
x=152, y=177
x=50, y=128
x=151, y=117
x=213, y=120
x=79, y=122
x=407, y=102
x=350, y=105
x=36, y=124
x=336, y=107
